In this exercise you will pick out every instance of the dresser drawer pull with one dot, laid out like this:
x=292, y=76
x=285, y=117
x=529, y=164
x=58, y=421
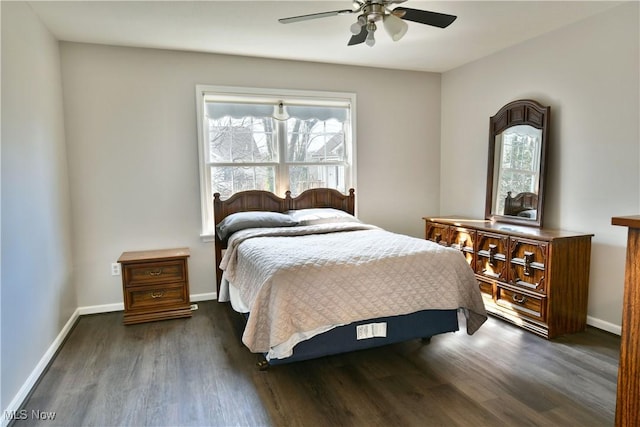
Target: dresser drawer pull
x=155, y=272
x=493, y=250
x=528, y=260
x=520, y=300
x=157, y=294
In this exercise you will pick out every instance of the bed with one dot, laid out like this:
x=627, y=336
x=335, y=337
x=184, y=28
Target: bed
x=312, y=280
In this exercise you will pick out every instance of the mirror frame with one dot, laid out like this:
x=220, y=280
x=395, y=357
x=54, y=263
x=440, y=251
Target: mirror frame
x=520, y=112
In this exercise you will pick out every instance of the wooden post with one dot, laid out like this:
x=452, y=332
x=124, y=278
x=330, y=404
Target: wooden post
x=628, y=395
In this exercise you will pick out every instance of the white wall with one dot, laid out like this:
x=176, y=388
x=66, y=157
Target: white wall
x=588, y=73
x=133, y=162
x=38, y=295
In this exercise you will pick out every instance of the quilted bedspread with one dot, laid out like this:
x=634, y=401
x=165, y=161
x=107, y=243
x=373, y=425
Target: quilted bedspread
x=298, y=279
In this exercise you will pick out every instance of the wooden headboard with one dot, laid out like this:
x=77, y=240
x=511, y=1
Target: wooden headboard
x=257, y=200
x=520, y=202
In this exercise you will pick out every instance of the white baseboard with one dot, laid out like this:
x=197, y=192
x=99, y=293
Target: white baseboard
x=104, y=308
x=605, y=326
x=26, y=388
x=204, y=297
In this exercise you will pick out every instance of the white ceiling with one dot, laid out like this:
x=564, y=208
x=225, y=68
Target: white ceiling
x=251, y=28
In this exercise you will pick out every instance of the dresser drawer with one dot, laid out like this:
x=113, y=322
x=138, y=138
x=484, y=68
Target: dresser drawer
x=463, y=239
x=438, y=233
x=491, y=252
x=527, y=278
x=527, y=264
x=525, y=304
x=486, y=287
x=159, y=272
x=144, y=297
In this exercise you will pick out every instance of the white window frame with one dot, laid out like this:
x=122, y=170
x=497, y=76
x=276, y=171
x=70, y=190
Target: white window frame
x=271, y=95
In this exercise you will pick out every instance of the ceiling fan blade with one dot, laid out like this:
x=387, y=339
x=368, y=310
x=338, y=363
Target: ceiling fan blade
x=315, y=16
x=359, y=38
x=441, y=20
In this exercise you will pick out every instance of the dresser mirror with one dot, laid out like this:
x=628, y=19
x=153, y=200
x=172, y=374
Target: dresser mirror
x=518, y=139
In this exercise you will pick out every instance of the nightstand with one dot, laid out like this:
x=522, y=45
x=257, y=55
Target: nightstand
x=155, y=285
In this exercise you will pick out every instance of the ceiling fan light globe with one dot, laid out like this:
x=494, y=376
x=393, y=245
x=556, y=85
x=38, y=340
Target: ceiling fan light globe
x=395, y=27
x=370, y=40
x=356, y=28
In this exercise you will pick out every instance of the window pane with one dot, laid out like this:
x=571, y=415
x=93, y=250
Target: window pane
x=314, y=140
x=242, y=140
x=517, y=182
x=315, y=176
x=227, y=180
x=519, y=172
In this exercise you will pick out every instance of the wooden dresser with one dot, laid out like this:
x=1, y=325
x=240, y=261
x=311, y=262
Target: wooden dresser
x=155, y=285
x=535, y=278
x=628, y=395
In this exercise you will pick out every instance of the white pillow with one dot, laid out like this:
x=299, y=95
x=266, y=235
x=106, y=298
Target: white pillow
x=320, y=216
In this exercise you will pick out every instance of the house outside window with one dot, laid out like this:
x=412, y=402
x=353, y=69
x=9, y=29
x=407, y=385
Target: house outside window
x=278, y=141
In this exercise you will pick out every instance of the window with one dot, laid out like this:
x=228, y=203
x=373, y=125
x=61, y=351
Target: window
x=257, y=139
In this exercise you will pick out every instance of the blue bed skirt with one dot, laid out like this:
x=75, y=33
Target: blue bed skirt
x=422, y=324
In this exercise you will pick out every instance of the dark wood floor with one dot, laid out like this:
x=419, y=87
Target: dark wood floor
x=195, y=372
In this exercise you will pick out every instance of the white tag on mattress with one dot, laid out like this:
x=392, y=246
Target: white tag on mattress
x=371, y=330
x=364, y=332
x=380, y=329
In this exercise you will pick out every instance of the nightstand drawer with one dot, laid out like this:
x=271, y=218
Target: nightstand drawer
x=160, y=272
x=144, y=297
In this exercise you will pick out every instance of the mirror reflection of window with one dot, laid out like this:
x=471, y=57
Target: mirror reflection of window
x=518, y=151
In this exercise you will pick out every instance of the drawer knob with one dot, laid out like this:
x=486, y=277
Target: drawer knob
x=520, y=300
x=155, y=272
x=157, y=294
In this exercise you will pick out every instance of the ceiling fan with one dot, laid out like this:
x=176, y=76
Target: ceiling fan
x=372, y=11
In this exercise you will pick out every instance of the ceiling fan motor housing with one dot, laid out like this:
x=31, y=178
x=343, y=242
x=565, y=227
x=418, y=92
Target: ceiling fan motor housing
x=373, y=12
